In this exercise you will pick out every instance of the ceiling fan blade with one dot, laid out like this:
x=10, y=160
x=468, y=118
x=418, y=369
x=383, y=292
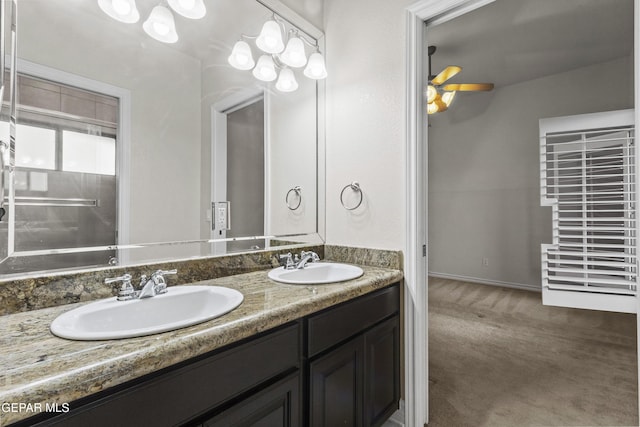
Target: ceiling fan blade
x=469, y=87
x=446, y=74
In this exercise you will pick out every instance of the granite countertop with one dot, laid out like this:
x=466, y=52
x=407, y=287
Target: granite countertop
x=40, y=368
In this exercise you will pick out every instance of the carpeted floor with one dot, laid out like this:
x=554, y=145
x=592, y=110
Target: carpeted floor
x=498, y=357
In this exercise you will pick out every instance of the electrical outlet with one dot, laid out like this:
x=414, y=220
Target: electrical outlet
x=485, y=262
x=221, y=215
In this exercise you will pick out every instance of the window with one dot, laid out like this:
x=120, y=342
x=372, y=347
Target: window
x=82, y=152
x=588, y=177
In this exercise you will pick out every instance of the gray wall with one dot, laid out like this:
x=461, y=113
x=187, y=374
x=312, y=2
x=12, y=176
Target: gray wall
x=484, y=172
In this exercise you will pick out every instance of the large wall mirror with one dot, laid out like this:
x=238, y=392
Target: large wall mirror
x=131, y=150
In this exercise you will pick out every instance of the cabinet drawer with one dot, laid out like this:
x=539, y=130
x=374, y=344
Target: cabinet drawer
x=337, y=324
x=177, y=396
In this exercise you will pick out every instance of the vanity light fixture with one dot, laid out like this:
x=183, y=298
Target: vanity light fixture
x=160, y=24
x=276, y=56
x=120, y=10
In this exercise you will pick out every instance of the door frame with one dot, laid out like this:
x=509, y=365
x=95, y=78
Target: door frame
x=416, y=161
x=219, y=112
x=438, y=11
x=123, y=144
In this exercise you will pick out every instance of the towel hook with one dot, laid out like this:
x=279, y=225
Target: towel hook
x=355, y=186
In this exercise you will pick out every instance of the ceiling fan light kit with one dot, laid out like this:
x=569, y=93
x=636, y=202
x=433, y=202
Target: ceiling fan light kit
x=438, y=102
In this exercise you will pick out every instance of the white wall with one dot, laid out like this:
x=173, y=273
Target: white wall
x=365, y=42
x=165, y=90
x=484, y=196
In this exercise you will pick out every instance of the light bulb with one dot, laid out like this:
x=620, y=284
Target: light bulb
x=120, y=10
x=241, y=57
x=270, y=38
x=160, y=25
x=294, y=55
x=286, y=81
x=192, y=9
x=437, y=106
x=161, y=28
x=315, y=67
x=122, y=7
x=447, y=98
x=432, y=92
x=265, y=69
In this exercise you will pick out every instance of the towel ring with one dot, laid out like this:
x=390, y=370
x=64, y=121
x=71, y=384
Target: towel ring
x=355, y=186
x=298, y=192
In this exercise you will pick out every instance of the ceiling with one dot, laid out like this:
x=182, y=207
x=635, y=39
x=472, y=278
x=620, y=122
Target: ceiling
x=511, y=41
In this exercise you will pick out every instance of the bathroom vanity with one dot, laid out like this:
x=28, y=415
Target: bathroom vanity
x=290, y=355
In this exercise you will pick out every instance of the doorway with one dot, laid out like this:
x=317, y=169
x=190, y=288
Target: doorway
x=417, y=157
x=239, y=160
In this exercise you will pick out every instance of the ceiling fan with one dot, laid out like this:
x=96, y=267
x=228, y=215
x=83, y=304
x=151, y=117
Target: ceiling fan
x=438, y=102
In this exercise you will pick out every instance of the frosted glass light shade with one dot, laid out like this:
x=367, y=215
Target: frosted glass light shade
x=265, y=69
x=160, y=25
x=432, y=92
x=447, y=97
x=294, y=54
x=192, y=9
x=315, y=67
x=241, y=57
x=286, y=81
x=270, y=38
x=120, y=10
x=438, y=105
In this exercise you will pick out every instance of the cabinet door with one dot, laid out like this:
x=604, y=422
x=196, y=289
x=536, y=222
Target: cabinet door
x=275, y=406
x=381, y=372
x=336, y=387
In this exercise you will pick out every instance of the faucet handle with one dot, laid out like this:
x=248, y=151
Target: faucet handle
x=165, y=272
x=126, y=291
x=158, y=280
x=313, y=256
x=286, y=260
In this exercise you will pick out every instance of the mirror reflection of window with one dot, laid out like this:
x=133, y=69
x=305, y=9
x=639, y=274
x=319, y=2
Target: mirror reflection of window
x=37, y=149
x=82, y=152
x=65, y=180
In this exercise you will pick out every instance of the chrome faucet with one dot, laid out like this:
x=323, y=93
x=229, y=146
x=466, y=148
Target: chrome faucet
x=156, y=285
x=149, y=287
x=292, y=262
x=307, y=257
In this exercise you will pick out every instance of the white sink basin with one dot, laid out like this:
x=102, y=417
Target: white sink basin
x=180, y=307
x=316, y=273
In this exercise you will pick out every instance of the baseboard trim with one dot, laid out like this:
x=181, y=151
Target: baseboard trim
x=522, y=286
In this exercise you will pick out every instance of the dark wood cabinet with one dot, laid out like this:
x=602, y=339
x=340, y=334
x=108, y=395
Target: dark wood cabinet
x=354, y=364
x=336, y=382
x=381, y=372
x=337, y=367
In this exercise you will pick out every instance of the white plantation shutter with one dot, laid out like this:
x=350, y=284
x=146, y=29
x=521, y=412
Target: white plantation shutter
x=587, y=176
